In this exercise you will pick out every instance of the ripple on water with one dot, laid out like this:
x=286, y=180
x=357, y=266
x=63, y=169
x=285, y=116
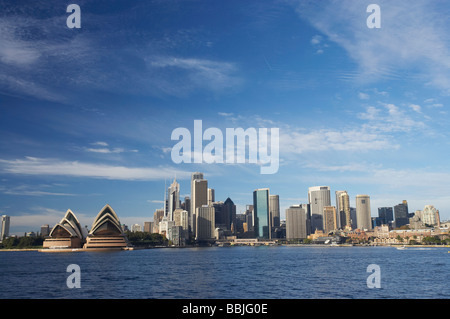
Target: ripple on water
x=236, y=272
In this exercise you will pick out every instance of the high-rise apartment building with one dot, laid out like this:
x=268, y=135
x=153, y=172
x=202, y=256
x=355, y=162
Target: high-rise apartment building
x=5, y=227
x=430, y=215
x=274, y=208
x=318, y=197
x=261, y=214
x=297, y=222
x=363, y=215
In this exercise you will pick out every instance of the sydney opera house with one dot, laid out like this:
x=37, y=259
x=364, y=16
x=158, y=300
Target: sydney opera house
x=106, y=233
x=68, y=233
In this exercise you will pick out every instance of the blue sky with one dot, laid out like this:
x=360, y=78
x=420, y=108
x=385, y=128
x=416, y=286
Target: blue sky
x=86, y=115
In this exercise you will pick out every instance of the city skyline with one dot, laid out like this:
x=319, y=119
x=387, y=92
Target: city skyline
x=87, y=113
x=361, y=220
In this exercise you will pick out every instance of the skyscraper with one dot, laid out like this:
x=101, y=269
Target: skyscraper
x=318, y=197
x=173, y=198
x=363, y=215
x=211, y=196
x=353, y=217
x=344, y=210
x=205, y=223
x=229, y=210
x=329, y=219
x=5, y=227
x=386, y=215
x=199, y=197
x=158, y=215
x=180, y=218
x=296, y=222
x=274, y=207
x=249, y=217
x=401, y=214
x=261, y=215
x=340, y=223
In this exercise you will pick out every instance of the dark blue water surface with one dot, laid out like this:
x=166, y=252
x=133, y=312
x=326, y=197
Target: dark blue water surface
x=229, y=272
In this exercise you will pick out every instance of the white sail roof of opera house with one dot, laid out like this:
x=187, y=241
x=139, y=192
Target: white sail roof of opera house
x=69, y=226
x=106, y=223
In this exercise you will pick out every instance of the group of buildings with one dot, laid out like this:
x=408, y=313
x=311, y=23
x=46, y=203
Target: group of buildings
x=200, y=219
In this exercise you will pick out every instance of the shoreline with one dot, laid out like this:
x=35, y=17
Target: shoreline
x=226, y=246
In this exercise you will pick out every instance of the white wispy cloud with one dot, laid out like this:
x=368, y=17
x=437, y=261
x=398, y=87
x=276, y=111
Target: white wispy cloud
x=103, y=147
x=56, y=167
x=27, y=190
x=389, y=117
x=317, y=42
x=357, y=140
x=363, y=96
x=46, y=63
x=416, y=108
x=413, y=38
x=225, y=114
x=193, y=73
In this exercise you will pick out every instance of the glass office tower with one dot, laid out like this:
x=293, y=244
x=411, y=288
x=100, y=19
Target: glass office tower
x=262, y=220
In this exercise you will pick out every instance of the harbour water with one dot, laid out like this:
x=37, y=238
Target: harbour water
x=279, y=272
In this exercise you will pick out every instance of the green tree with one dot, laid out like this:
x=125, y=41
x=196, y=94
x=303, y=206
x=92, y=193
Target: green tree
x=144, y=239
x=431, y=240
x=10, y=242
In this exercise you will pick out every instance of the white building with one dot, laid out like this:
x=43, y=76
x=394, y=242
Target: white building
x=318, y=197
x=136, y=228
x=430, y=215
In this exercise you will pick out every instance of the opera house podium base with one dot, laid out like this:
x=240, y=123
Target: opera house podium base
x=61, y=243
x=110, y=242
